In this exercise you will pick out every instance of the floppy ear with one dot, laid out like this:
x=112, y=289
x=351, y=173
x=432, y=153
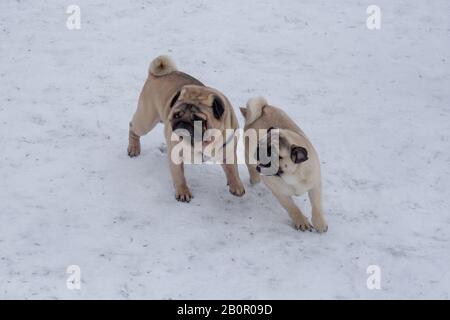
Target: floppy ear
x=218, y=107
x=175, y=98
x=243, y=111
x=298, y=154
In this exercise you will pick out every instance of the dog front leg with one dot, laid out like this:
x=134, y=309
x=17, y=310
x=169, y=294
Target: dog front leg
x=182, y=192
x=300, y=221
x=134, y=144
x=233, y=180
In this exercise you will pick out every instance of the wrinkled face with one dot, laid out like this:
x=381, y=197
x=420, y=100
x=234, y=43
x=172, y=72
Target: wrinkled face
x=195, y=110
x=276, y=155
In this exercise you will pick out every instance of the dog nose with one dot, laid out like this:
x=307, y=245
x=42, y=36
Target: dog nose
x=178, y=115
x=258, y=168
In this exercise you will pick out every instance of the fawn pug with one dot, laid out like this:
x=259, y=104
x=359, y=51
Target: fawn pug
x=179, y=101
x=289, y=167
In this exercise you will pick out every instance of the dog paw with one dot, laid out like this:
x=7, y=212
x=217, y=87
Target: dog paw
x=134, y=149
x=237, y=189
x=183, y=194
x=319, y=224
x=303, y=224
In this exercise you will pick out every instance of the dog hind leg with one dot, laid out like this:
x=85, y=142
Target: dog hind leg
x=318, y=221
x=254, y=175
x=144, y=120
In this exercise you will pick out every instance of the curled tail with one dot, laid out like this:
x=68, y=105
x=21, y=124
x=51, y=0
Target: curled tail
x=161, y=66
x=254, y=109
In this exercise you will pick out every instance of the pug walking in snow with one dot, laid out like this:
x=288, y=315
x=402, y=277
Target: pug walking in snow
x=182, y=103
x=290, y=164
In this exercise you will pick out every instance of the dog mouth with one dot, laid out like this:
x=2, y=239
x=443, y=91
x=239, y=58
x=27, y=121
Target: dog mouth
x=193, y=131
x=267, y=170
x=267, y=164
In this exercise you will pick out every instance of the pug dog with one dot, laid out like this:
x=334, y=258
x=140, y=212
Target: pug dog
x=289, y=166
x=180, y=101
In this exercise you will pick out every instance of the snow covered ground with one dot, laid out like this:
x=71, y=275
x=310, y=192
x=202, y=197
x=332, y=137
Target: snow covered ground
x=376, y=104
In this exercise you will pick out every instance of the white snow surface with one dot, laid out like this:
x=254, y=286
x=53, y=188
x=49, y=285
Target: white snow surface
x=375, y=103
